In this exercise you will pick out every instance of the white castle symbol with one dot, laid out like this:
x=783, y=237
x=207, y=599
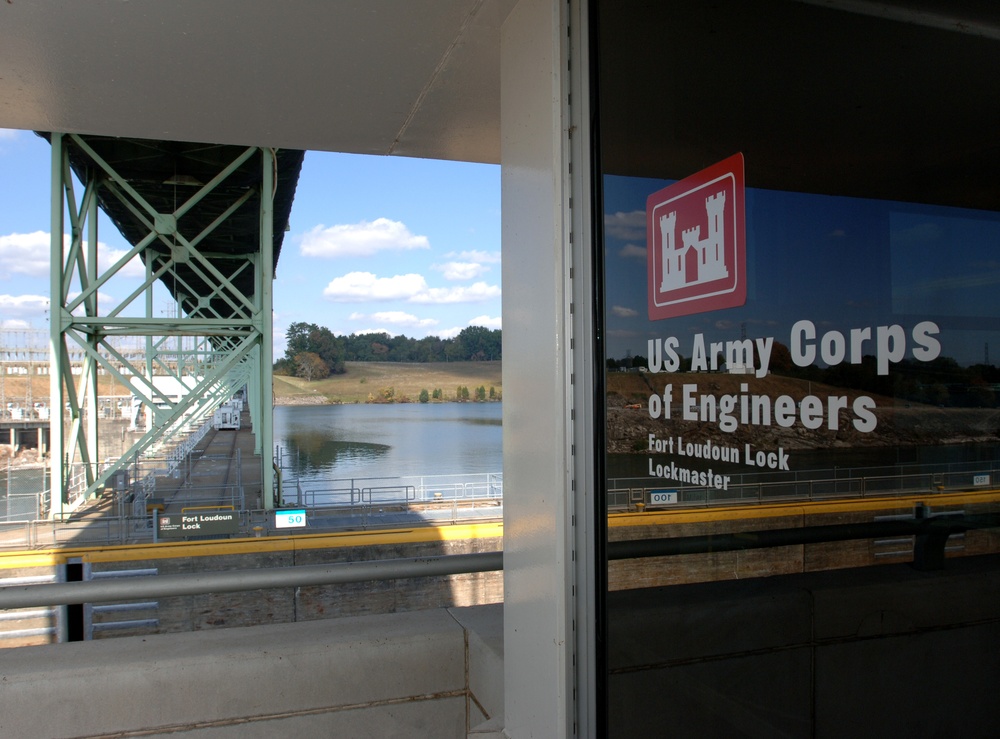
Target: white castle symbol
x=698, y=260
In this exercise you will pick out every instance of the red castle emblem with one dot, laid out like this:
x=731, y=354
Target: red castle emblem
x=696, y=243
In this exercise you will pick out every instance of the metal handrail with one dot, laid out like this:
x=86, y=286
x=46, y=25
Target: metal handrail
x=233, y=581
x=931, y=535
x=768, y=491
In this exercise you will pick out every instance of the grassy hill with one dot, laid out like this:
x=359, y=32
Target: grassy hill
x=635, y=387
x=354, y=386
x=406, y=380
x=898, y=422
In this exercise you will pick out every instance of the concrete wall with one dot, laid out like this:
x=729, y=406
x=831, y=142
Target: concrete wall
x=879, y=651
x=36, y=626
x=225, y=610
x=414, y=675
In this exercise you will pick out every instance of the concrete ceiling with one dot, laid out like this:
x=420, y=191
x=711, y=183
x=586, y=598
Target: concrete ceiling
x=422, y=77
x=415, y=78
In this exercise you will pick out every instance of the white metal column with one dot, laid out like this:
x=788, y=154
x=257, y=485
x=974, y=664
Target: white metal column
x=546, y=585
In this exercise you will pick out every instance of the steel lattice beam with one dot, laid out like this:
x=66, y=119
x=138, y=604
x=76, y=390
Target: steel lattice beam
x=219, y=340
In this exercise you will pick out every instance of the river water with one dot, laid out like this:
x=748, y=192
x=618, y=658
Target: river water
x=393, y=440
x=401, y=440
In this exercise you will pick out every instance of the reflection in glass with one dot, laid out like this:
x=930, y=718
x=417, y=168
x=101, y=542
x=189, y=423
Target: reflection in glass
x=772, y=470
x=848, y=312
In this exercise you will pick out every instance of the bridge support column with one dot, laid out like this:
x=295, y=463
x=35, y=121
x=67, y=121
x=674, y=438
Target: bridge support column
x=220, y=335
x=57, y=396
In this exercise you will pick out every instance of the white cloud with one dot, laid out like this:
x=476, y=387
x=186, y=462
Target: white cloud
x=9, y=134
x=626, y=226
x=103, y=300
x=27, y=255
x=358, y=287
x=467, y=265
x=632, y=251
x=107, y=257
x=490, y=322
x=462, y=270
x=623, y=312
x=14, y=323
x=482, y=257
x=376, y=330
x=475, y=293
x=23, y=306
x=450, y=333
x=361, y=239
x=398, y=318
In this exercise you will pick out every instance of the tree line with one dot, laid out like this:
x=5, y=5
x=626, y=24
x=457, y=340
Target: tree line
x=314, y=352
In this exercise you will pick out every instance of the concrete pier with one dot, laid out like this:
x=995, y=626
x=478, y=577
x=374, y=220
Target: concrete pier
x=20, y=433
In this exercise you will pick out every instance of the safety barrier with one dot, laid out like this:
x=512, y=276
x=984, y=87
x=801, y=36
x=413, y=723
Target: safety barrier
x=351, y=492
x=930, y=536
x=28, y=622
x=91, y=626
x=814, y=485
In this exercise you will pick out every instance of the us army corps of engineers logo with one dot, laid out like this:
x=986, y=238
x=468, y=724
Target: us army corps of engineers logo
x=696, y=242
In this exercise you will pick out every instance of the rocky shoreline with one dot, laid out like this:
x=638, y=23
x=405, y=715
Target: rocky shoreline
x=302, y=400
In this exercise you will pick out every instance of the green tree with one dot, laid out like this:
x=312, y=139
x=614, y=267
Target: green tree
x=454, y=351
x=284, y=366
x=480, y=393
x=298, y=338
x=309, y=338
x=424, y=396
x=479, y=343
x=310, y=366
x=329, y=348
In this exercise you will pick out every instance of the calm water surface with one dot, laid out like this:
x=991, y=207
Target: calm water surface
x=402, y=440
x=392, y=440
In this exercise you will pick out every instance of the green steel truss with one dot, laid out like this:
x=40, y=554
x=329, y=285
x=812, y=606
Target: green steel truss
x=218, y=342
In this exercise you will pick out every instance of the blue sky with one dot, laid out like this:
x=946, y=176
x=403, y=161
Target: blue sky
x=405, y=246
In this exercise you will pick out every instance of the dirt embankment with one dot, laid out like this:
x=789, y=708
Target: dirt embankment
x=629, y=423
